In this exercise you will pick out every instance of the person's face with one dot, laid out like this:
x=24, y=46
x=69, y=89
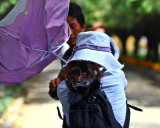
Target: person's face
x=75, y=30
x=100, y=30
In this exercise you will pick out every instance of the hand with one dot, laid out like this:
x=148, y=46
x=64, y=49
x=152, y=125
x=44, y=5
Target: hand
x=54, y=84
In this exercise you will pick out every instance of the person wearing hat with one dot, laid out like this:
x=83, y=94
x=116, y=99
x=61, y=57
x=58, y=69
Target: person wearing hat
x=91, y=54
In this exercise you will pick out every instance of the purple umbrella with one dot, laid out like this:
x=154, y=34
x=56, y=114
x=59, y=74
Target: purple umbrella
x=31, y=37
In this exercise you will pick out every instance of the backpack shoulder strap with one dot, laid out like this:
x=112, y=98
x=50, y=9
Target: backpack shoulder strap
x=127, y=118
x=59, y=113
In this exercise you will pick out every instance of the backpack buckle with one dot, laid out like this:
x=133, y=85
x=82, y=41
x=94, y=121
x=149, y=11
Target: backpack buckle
x=91, y=99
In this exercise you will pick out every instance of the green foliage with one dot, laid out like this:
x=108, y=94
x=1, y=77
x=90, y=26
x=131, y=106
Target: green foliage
x=117, y=13
x=5, y=6
x=7, y=94
x=4, y=103
x=94, y=10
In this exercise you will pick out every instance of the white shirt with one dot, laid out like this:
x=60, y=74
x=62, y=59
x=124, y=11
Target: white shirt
x=114, y=84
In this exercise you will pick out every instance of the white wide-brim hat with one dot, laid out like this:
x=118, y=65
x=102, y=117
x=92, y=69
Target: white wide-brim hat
x=95, y=47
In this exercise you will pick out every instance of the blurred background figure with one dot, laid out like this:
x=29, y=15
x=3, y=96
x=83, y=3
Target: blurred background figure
x=100, y=27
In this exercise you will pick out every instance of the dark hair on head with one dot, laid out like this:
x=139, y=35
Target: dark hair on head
x=75, y=11
x=75, y=69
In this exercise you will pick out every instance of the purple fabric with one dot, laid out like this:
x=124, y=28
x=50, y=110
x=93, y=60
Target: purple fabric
x=92, y=47
x=26, y=46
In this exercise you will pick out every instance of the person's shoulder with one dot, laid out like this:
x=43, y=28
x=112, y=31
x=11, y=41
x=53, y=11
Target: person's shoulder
x=114, y=76
x=110, y=38
x=67, y=54
x=113, y=71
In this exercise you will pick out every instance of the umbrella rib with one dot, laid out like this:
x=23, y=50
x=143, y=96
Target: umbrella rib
x=22, y=42
x=34, y=49
x=4, y=67
x=25, y=68
x=59, y=57
x=10, y=34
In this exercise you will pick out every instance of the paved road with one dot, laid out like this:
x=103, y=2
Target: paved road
x=144, y=93
x=40, y=110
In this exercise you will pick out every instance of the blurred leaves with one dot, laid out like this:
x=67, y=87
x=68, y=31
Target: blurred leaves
x=117, y=13
x=8, y=93
x=4, y=104
x=6, y=6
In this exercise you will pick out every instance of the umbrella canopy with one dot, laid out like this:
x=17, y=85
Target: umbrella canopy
x=31, y=37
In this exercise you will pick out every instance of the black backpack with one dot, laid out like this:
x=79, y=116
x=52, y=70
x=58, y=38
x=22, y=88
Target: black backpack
x=90, y=108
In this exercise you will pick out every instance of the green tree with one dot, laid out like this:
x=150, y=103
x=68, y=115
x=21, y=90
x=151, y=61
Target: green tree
x=6, y=6
x=117, y=13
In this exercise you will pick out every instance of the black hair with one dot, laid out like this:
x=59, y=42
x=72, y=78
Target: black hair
x=75, y=11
